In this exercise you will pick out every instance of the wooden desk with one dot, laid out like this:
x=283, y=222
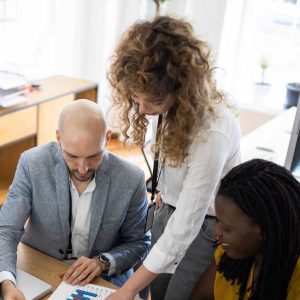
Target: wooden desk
x=47, y=268
x=34, y=122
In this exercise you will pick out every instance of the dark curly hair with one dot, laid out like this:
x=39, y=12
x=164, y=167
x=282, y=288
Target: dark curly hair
x=162, y=58
x=270, y=196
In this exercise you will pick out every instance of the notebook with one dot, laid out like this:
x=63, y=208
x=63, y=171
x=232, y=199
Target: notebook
x=32, y=287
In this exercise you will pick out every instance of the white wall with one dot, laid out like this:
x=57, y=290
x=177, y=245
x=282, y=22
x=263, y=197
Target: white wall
x=77, y=37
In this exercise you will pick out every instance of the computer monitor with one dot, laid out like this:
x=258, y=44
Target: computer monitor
x=292, y=161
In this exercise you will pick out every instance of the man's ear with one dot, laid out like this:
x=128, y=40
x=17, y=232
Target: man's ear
x=108, y=135
x=57, y=135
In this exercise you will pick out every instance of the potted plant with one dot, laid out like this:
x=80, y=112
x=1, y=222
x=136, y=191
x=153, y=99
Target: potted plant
x=264, y=65
x=262, y=88
x=292, y=94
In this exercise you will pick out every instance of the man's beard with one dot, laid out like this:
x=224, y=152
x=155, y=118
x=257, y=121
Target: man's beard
x=83, y=178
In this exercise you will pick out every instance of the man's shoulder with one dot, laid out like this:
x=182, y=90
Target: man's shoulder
x=42, y=152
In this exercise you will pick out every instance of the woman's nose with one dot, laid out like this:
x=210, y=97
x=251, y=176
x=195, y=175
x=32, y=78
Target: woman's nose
x=142, y=108
x=218, y=232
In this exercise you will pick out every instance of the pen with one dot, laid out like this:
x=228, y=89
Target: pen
x=264, y=149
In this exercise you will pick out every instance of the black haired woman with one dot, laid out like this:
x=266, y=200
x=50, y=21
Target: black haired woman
x=258, y=234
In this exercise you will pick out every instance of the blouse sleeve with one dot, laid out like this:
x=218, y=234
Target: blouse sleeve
x=205, y=164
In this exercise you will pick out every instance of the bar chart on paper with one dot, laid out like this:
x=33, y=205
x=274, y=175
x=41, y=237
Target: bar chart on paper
x=88, y=292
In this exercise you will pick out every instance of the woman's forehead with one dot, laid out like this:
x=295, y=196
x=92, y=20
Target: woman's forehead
x=150, y=97
x=225, y=206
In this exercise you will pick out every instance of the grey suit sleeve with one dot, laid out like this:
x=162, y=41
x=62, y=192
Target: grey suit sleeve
x=135, y=243
x=13, y=216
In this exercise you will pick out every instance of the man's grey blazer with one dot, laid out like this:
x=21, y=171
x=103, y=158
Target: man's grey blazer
x=40, y=192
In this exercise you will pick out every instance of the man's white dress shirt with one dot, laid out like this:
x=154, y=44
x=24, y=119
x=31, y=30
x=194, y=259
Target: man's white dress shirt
x=81, y=219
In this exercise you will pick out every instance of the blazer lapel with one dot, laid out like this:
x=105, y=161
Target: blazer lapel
x=63, y=193
x=99, y=200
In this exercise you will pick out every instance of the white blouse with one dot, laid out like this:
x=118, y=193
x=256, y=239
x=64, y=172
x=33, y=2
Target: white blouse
x=192, y=188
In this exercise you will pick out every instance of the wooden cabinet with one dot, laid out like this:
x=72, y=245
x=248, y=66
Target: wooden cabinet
x=34, y=122
x=48, y=118
x=18, y=125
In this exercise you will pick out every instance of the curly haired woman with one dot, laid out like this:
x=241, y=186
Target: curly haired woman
x=161, y=68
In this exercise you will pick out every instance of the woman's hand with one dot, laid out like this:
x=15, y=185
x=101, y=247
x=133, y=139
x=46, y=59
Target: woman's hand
x=139, y=280
x=121, y=294
x=158, y=201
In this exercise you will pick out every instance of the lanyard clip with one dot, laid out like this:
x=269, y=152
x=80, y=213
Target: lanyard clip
x=69, y=255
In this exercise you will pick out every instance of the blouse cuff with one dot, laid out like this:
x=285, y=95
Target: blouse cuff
x=159, y=262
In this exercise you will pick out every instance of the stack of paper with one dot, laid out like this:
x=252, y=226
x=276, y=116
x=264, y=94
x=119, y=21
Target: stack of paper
x=12, y=96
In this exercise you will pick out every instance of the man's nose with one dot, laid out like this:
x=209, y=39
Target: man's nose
x=83, y=167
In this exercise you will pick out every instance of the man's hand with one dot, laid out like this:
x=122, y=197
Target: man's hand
x=83, y=271
x=158, y=201
x=10, y=292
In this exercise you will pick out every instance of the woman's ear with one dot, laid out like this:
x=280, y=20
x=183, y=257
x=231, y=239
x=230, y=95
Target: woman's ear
x=259, y=233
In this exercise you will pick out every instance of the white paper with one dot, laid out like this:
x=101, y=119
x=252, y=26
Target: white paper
x=11, y=100
x=64, y=291
x=10, y=80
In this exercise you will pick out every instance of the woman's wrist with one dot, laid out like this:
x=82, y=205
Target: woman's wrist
x=130, y=288
x=140, y=279
x=128, y=291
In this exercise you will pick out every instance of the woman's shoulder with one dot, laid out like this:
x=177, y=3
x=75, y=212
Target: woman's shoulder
x=294, y=286
x=225, y=119
x=224, y=289
x=224, y=111
x=218, y=254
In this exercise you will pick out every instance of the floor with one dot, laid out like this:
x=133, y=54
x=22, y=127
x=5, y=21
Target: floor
x=130, y=153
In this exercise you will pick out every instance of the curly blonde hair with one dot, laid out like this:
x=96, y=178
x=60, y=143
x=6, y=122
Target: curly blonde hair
x=162, y=58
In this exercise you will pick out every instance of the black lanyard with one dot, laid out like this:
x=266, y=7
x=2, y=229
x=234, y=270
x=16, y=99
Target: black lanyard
x=155, y=179
x=69, y=251
x=156, y=175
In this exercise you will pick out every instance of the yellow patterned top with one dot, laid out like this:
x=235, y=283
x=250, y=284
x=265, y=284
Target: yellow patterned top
x=224, y=290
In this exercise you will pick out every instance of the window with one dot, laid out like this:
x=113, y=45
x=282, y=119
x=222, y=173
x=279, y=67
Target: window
x=269, y=58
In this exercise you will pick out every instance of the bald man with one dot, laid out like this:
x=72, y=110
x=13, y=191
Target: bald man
x=83, y=204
